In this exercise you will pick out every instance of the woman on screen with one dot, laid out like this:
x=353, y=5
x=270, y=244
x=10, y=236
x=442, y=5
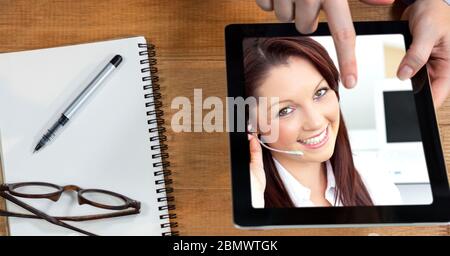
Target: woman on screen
x=301, y=74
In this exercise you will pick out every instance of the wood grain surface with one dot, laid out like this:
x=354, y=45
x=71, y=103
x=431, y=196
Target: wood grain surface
x=189, y=36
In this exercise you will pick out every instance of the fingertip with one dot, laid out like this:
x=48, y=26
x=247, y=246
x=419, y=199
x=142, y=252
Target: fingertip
x=405, y=72
x=267, y=8
x=350, y=81
x=283, y=16
x=416, y=56
x=265, y=5
x=349, y=72
x=306, y=30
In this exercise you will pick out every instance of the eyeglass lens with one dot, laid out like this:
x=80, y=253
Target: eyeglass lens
x=35, y=190
x=102, y=198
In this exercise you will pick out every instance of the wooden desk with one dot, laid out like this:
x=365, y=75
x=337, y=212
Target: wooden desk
x=189, y=36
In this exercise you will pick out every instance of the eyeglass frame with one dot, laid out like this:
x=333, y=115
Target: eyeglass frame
x=7, y=192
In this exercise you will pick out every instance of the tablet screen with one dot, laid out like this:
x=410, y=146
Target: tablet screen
x=318, y=144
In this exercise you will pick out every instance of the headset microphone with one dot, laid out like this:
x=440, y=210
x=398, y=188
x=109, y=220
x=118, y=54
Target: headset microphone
x=291, y=152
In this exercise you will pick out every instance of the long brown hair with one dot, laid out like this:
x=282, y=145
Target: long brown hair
x=263, y=54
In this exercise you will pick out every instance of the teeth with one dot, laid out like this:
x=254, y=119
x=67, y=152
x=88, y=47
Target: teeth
x=315, y=140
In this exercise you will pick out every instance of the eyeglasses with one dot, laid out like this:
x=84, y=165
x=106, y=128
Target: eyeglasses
x=95, y=197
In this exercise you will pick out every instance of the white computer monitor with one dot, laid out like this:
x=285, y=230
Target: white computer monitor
x=400, y=147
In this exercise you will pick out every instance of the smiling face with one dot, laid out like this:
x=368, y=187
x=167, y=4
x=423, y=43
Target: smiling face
x=307, y=112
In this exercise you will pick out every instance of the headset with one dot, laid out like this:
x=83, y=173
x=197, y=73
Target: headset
x=291, y=152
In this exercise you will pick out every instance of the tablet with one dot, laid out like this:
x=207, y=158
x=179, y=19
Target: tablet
x=305, y=151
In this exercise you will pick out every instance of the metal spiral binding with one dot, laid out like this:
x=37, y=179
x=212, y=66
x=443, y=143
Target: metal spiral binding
x=157, y=115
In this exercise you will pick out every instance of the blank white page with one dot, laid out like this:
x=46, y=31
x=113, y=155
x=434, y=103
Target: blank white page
x=106, y=145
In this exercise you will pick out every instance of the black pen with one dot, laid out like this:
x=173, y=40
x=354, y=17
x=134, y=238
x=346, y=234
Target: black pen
x=79, y=101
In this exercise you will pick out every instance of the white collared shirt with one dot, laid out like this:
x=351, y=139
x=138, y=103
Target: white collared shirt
x=379, y=185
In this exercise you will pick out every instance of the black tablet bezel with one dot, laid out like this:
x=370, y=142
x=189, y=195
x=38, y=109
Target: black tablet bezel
x=247, y=216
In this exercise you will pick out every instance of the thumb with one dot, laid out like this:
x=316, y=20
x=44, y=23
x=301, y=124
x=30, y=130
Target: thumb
x=417, y=55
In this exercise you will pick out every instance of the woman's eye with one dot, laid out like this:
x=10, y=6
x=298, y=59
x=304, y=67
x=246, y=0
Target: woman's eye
x=285, y=111
x=320, y=93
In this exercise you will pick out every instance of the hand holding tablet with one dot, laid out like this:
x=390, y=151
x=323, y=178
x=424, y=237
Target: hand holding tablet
x=429, y=25
x=306, y=17
x=430, y=45
x=362, y=172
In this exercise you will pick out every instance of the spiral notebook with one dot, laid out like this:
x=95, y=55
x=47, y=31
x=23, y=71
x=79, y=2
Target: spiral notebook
x=114, y=143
